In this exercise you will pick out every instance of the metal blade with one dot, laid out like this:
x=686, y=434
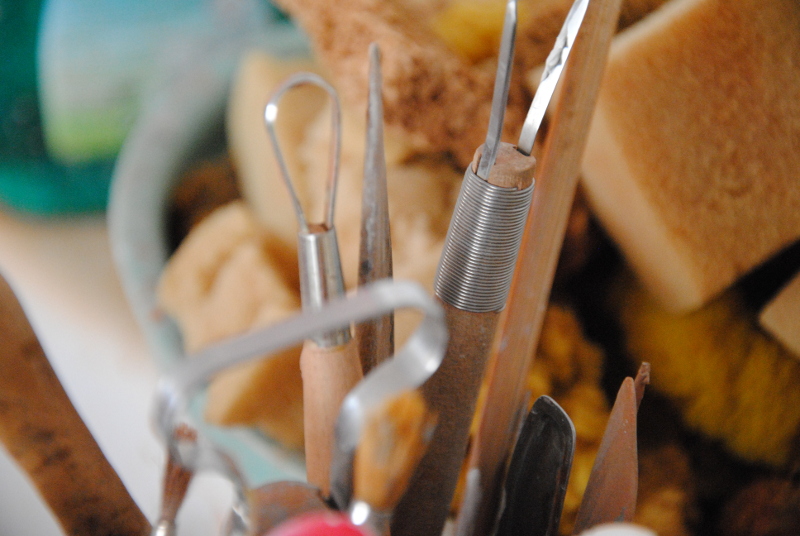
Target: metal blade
x=552, y=73
x=500, y=98
x=539, y=472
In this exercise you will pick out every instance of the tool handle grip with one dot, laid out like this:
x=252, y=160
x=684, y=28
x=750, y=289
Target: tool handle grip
x=451, y=394
x=48, y=439
x=328, y=375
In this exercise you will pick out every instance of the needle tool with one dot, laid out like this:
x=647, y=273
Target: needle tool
x=376, y=337
x=556, y=176
x=613, y=485
x=472, y=282
x=329, y=361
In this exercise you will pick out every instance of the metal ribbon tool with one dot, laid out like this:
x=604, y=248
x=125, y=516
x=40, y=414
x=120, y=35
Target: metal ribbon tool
x=410, y=367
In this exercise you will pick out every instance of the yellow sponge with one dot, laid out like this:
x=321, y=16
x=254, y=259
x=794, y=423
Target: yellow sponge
x=730, y=380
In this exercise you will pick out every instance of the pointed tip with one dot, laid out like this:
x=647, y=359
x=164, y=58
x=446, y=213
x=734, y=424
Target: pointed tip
x=642, y=379
x=374, y=53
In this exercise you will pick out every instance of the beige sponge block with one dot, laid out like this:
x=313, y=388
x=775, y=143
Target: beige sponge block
x=227, y=278
x=692, y=161
x=781, y=316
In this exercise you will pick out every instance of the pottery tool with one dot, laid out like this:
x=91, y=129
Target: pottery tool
x=176, y=483
x=538, y=473
x=408, y=369
x=44, y=434
x=376, y=337
x=613, y=484
x=472, y=282
x=520, y=326
x=394, y=439
x=329, y=361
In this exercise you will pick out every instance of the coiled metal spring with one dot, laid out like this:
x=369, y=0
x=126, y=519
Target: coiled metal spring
x=480, y=252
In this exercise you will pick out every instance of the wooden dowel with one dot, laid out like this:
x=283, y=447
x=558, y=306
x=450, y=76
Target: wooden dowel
x=48, y=439
x=328, y=375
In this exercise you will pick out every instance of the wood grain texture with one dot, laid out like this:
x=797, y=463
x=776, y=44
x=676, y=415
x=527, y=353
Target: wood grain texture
x=48, y=439
x=519, y=329
x=328, y=375
x=451, y=393
x=613, y=485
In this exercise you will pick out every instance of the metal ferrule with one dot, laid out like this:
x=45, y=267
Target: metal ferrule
x=321, y=276
x=480, y=251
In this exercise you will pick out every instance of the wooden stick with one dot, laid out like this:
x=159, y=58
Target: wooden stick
x=45, y=435
x=557, y=177
x=614, y=482
x=451, y=393
x=328, y=375
x=394, y=440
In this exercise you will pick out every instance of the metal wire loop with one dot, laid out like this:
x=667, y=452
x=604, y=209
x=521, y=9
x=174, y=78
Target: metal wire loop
x=271, y=115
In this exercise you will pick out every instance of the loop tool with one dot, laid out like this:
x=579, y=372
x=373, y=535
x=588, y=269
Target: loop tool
x=318, y=250
x=329, y=362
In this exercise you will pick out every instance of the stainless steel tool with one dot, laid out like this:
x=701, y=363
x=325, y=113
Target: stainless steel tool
x=329, y=361
x=376, y=337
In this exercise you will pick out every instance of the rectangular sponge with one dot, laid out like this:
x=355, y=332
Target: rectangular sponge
x=693, y=159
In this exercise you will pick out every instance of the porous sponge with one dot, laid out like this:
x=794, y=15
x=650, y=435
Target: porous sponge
x=731, y=381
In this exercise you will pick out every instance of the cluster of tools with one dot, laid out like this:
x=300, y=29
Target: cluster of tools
x=387, y=431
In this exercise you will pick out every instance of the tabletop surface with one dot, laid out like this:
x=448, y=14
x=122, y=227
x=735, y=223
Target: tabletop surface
x=64, y=277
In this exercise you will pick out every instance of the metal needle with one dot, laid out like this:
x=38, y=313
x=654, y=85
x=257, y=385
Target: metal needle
x=376, y=336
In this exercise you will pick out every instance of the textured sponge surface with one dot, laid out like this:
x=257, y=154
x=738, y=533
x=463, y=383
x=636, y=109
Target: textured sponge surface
x=692, y=161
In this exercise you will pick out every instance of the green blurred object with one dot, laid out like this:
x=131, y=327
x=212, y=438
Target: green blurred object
x=29, y=180
x=76, y=75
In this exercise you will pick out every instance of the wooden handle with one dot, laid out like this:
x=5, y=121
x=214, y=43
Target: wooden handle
x=45, y=435
x=328, y=375
x=451, y=394
x=518, y=333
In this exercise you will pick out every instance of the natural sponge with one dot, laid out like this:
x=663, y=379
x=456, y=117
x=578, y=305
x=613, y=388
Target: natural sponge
x=729, y=380
x=691, y=163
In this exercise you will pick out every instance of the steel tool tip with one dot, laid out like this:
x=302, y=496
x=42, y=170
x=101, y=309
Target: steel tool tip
x=553, y=68
x=500, y=97
x=376, y=337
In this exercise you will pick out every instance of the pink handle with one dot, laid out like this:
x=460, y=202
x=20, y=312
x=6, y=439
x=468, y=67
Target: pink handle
x=320, y=524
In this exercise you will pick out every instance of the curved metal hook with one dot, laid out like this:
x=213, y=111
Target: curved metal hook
x=416, y=361
x=271, y=115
